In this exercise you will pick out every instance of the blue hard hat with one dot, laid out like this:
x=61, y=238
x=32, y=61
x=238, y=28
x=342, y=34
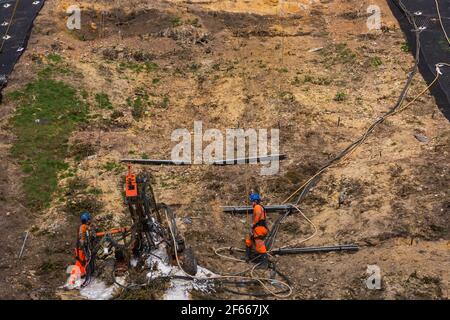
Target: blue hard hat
x=85, y=217
x=255, y=197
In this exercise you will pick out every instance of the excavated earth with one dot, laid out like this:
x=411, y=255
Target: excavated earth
x=311, y=69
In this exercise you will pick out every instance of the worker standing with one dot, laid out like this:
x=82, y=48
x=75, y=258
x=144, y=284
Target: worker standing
x=82, y=251
x=259, y=232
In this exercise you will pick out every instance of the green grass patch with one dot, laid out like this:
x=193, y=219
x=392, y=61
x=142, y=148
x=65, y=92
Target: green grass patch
x=321, y=81
x=176, y=21
x=165, y=102
x=53, y=65
x=138, y=67
x=112, y=166
x=55, y=58
x=338, y=54
x=47, y=112
x=376, y=62
x=340, y=97
x=102, y=101
x=405, y=47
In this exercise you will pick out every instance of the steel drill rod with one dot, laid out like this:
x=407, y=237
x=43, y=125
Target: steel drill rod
x=344, y=247
x=23, y=244
x=245, y=209
x=235, y=161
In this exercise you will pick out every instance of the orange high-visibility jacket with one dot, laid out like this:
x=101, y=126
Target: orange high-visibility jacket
x=82, y=235
x=259, y=216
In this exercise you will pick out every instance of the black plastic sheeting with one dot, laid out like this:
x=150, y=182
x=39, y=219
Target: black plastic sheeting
x=434, y=47
x=16, y=22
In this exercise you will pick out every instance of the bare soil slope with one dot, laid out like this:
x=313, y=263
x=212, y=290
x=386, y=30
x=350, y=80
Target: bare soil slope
x=314, y=71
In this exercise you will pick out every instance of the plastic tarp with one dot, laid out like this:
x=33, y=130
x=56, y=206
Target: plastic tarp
x=16, y=22
x=434, y=45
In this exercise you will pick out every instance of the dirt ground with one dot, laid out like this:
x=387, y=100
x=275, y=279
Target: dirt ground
x=311, y=69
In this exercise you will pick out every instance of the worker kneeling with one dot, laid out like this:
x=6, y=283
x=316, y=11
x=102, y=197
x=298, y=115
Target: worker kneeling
x=256, y=239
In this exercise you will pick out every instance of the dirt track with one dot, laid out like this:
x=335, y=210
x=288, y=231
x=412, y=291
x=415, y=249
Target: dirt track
x=246, y=64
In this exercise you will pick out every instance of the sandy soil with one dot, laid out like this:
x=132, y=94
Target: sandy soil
x=250, y=64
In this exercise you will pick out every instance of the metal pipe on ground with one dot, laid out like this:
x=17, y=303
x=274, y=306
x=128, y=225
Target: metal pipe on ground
x=344, y=247
x=226, y=162
x=244, y=209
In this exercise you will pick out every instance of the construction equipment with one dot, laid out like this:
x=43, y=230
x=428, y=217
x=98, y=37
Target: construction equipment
x=153, y=224
x=147, y=233
x=149, y=230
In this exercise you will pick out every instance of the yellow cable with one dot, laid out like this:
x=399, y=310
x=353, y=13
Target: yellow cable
x=365, y=136
x=218, y=276
x=306, y=239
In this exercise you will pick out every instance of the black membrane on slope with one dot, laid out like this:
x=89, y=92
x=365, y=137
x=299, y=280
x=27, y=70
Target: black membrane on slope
x=434, y=47
x=15, y=32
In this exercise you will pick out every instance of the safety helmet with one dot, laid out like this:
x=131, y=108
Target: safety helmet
x=255, y=197
x=85, y=217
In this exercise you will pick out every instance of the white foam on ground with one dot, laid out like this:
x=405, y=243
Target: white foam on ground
x=97, y=290
x=160, y=266
x=179, y=289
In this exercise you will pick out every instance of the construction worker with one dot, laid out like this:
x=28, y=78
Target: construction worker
x=82, y=251
x=259, y=232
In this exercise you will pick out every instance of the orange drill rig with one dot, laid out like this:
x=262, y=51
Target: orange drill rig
x=149, y=230
x=154, y=223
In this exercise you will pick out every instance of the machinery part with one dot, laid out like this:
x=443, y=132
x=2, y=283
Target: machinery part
x=245, y=209
x=188, y=261
x=225, y=162
x=344, y=247
x=112, y=231
x=185, y=254
x=143, y=210
x=130, y=184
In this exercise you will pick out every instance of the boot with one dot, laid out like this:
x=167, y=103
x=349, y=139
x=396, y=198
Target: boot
x=263, y=261
x=248, y=254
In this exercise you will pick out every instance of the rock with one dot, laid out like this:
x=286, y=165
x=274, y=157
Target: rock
x=421, y=138
x=187, y=220
x=315, y=49
x=110, y=54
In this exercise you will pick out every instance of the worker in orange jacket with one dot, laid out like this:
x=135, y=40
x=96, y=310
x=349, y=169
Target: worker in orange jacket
x=82, y=251
x=259, y=232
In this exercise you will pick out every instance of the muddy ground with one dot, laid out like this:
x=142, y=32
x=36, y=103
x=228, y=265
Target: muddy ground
x=312, y=70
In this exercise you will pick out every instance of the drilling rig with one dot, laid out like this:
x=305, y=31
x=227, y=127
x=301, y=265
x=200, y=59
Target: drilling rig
x=153, y=227
x=154, y=223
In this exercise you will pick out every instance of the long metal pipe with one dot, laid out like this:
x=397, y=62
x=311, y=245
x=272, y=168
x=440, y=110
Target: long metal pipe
x=244, y=209
x=344, y=247
x=226, y=162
